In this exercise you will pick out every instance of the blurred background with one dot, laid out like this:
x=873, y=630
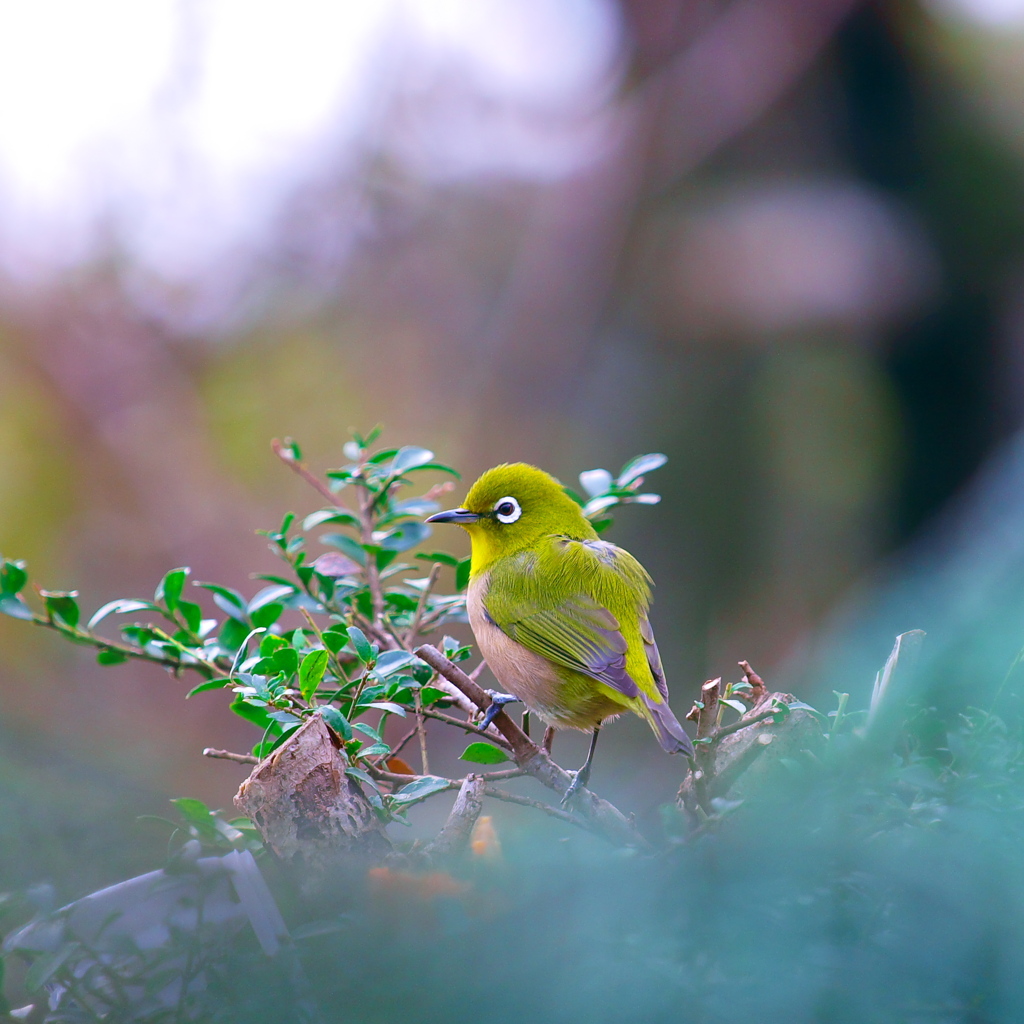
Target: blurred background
x=781, y=241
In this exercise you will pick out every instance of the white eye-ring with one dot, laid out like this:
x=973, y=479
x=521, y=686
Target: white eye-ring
x=507, y=510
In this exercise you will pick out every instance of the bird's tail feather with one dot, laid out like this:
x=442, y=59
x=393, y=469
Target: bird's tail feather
x=670, y=733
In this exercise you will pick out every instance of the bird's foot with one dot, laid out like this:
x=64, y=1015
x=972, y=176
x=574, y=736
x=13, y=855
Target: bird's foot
x=498, y=701
x=579, y=781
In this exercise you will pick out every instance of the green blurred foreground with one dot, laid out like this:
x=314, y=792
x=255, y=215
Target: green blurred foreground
x=880, y=880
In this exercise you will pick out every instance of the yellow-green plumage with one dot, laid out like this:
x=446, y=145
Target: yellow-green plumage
x=560, y=615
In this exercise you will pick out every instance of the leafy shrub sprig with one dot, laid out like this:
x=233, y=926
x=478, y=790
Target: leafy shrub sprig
x=332, y=635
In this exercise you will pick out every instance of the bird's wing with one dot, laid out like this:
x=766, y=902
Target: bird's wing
x=578, y=635
x=578, y=630
x=653, y=657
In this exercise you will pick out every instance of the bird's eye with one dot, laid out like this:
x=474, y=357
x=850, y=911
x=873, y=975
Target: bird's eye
x=507, y=510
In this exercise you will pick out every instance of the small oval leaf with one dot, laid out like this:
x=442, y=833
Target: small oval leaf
x=410, y=457
x=596, y=481
x=639, y=466
x=483, y=753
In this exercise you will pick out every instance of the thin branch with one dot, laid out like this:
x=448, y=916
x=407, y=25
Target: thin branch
x=205, y=668
x=398, y=747
x=366, y=519
x=227, y=755
x=498, y=794
x=421, y=732
x=284, y=453
x=743, y=723
x=401, y=779
x=758, y=689
x=524, y=801
x=505, y=773
x=410, y=637
x=492, y=734
x=335, y=661
x=421, y=605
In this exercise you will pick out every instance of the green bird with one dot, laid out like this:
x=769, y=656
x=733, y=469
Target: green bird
x=559, y=614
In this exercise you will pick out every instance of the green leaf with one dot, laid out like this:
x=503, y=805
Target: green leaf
x=46, y=966
x=232, y=597
x=335, y=638
x=227, y=600
x=410, y=457
x=598, y=505
x=192, y=614
x=382, y=557
x=346, y=545
x=462, y=573
x=386, y=705
x=252, y=713
x=423, y=787
x=336, y=721
x=329, y=515
x=286, y=660
x=198, y=815
x=390, y=662
x=232, y=635
x=431, y=695
x=311, y=673
x=270, y=643
x=61, y=605
x=414, y=507
x=441, y=468
x=13, y=605
x=266, y=615
x=362, y=776
x=600, y=525
x=169, y=589
x=406, y=536
x=111, y=657
x=640, y=466
x=270, y=595
x=12, y=576
x=361, y=646
x=122, y=606
x=736, y=705
x=368, y=730
x=210, y=684
x=439, y=556
x=799, y=705
x=483, y=753
x=279, y=580
x=596, y=481
x=375, y=750
x=382, y=456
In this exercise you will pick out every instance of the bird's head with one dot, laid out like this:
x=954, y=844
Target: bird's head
x=510, y=508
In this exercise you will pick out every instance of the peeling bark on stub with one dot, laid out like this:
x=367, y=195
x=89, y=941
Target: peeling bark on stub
x=740, y=762
x=313, y=816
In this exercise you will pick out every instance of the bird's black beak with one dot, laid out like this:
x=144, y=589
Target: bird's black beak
x=455, y=515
